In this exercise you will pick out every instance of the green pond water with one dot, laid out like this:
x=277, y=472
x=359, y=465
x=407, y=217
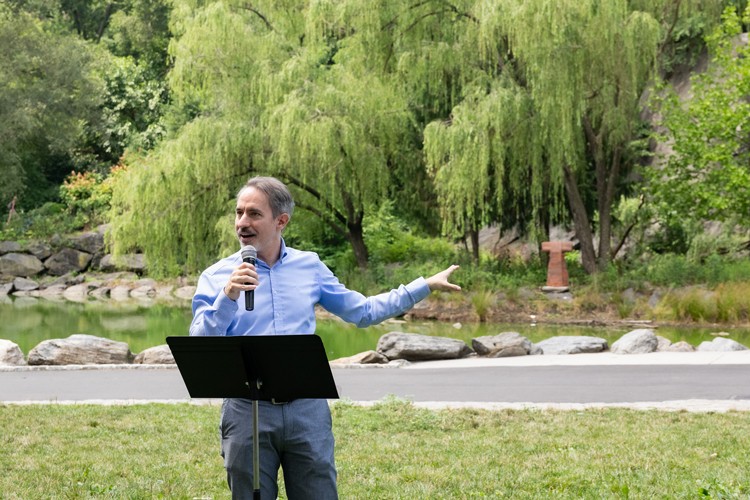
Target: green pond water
x=28, y=322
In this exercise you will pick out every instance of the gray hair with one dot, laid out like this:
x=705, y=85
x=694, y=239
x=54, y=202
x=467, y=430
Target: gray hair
x=279, y=197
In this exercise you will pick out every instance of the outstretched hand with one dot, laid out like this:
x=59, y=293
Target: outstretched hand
x=440, y=281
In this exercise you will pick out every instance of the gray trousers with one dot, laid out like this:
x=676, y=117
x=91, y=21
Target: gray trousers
x=295, y=436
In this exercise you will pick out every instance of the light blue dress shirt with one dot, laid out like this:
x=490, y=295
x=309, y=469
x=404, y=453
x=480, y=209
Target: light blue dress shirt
x=286, y=296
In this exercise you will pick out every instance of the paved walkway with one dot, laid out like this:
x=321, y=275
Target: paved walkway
x=697, y=381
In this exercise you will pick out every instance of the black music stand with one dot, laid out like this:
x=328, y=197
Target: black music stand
x=260, y=367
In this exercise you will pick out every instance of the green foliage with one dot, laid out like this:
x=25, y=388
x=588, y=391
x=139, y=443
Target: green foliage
x=726, y=303
x=133, y=106
x=390, y=240
x=706, y=177
x=67, y=102
x=49, y=93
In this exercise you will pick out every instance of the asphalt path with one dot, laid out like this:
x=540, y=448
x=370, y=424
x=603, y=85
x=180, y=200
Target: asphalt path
x=685, y=380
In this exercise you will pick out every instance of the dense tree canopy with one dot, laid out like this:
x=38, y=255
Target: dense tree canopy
x=44, y=105
x=707, y=175
x=522, y=113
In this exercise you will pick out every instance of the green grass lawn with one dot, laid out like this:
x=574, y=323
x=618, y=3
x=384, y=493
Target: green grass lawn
x=392, y=450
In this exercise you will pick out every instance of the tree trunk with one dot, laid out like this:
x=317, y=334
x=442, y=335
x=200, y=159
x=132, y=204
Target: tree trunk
x=606, y=199
x=580, y=222
x=357, y=240
x=474, y=237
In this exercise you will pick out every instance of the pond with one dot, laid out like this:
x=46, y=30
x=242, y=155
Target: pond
x=28, y=322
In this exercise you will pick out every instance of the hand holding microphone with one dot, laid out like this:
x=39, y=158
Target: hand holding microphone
x=242, y=278
x=249, y=254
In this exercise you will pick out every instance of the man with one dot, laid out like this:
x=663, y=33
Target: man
x=287, y=284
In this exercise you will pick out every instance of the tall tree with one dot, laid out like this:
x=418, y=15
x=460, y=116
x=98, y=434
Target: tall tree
x=301, y=94
x=557, y=118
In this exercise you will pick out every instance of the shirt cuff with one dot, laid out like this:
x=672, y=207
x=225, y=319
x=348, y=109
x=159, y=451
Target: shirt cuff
x=418, y=289
x=225, y=308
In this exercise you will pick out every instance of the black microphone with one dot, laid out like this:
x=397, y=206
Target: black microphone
x=249, y=253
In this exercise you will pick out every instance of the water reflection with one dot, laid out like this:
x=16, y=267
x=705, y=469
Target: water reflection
x=142, y=325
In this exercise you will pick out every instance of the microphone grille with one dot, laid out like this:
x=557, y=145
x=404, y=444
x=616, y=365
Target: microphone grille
x=249, y=251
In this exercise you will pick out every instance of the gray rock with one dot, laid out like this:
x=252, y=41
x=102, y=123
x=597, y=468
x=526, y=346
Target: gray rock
x=39, y=249
x=67, y=260
x=5, y=289
x=130, y=262
x=120, y=292
x=9, y=247
x=80, y=350
x=20, y=264
x=721, y=344
x=572, y=344
x=639, y=341
x=143, y=292
x=680, y=346
x=53, y=292
x=11, y=354
x=159, y=355
x=25, y=284
x=663, y=344
x=89, y=242
x=363, y=358
x=77, y=293
x=416, y=347
x=503, y=345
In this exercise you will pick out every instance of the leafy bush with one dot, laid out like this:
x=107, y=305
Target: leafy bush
x=87, y=195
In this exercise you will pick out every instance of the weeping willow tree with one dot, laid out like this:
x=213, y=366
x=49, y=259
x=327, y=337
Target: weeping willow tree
x=556, y=125
x=512, y=106
x=557, y=120
x=310, y=92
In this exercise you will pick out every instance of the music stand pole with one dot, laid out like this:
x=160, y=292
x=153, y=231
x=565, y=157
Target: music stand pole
x=256, y=445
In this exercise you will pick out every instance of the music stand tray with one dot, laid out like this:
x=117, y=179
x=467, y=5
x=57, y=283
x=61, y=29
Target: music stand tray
x=288, y=366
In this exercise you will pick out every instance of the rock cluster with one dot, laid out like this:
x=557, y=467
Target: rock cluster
x=77, y=269
x=397, y=347
x=393, y=348
x=82, y=349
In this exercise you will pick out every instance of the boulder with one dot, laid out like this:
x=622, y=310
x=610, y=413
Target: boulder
x=20, y=264
x=363, y=358
x=663, y=344
x=25, y=284
x=80, y=350
x=639, y=341
x=680, y=346
x=159, y=355
x=5, y=289
x=503, y=345
x=54, y=292
x=572, y=344
x=9, y=247
x=10, y=354
x=721, y=344
x=90, y=242
x=77, y=293
x=416, y=347
x=39, y=249
x=67, y=260
x=134, y=262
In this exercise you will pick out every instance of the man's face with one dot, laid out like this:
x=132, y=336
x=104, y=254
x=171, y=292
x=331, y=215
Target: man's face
x=255, y=224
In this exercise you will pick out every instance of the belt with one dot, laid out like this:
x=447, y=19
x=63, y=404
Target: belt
x=275, y=401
